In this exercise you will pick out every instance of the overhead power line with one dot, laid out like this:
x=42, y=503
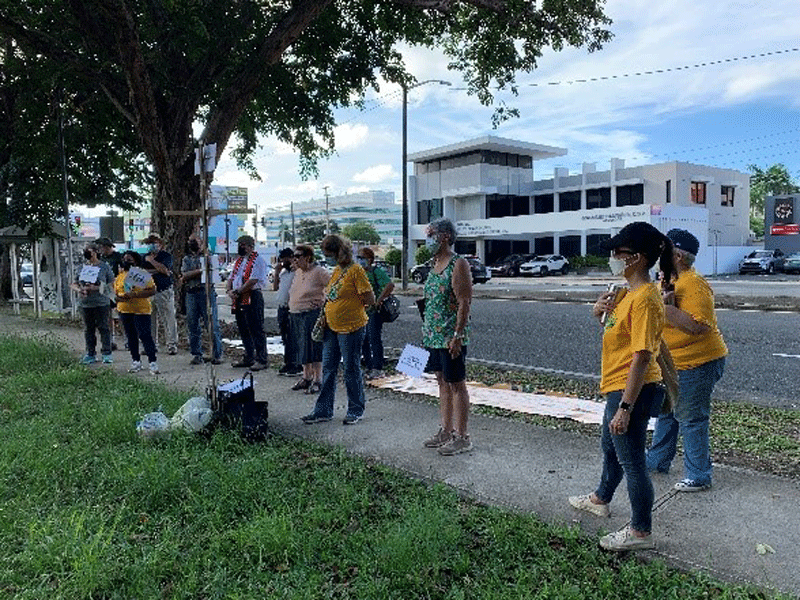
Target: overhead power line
x=700, y=65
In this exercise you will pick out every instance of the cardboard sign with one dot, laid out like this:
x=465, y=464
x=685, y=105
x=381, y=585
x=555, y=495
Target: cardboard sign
x=136, y=278
x=89, y=274
x=413, y=360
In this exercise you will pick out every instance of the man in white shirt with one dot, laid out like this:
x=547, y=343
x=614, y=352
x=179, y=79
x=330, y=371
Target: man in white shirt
x=282, y=282
x=244, y=289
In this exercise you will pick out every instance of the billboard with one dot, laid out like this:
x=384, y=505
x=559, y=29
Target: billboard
x=783, y=217
x=223, y=197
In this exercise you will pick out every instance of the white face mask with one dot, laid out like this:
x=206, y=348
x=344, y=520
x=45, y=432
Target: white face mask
x=617, y=266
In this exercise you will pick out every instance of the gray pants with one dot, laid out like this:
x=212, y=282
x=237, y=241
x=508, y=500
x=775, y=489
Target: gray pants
x=164, y=314
x=95, y=318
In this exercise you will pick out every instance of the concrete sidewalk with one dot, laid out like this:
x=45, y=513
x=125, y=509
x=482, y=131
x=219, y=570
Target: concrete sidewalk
x=531, y=469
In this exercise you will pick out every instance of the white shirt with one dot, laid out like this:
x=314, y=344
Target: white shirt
x=284, y=283
x=258, y=273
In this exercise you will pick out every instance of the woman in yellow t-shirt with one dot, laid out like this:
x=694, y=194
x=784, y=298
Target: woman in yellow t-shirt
x=133, y=305
x=346, y=295
x=630, y=379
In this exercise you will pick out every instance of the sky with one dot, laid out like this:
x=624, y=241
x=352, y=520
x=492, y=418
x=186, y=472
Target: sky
x=741, y=108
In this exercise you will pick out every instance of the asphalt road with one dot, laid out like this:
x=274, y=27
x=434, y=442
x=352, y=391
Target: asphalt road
x=762, y=368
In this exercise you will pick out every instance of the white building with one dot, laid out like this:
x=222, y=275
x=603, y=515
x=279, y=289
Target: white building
x=487, y=187
x=375, y=207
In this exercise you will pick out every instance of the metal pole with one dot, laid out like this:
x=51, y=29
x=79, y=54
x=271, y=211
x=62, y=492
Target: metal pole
x=327, y=213
x=404, y=253
x=294, y=233
x=227, y=239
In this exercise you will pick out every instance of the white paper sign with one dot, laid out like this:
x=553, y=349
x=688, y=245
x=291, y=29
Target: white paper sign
x=235, y=386
x=413, y=360
x=136, y=277
x=89, y=274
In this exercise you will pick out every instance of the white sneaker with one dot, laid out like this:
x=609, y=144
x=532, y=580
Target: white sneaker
x=136, y=366
x=626, y=540
x=584, y=502
x=154, y=368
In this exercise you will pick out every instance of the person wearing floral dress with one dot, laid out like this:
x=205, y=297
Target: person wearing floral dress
x=445, y=335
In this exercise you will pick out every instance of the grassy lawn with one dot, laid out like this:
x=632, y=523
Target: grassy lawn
x=88, y=510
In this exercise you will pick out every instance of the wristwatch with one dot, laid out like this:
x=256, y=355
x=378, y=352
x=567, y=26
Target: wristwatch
x=625, y=406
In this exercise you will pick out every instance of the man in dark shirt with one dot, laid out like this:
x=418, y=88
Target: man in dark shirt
x=110, y=256
x=158, y=262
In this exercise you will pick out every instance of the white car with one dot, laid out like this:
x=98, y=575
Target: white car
x=545, y=264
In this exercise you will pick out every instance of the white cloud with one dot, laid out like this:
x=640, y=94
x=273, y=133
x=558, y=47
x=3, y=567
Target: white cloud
x=376, y=174
x=350, y=137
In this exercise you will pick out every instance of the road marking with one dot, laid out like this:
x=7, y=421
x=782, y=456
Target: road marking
x=785, y=355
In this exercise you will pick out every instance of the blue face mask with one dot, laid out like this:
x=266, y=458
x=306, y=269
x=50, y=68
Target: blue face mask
x=362, y=261
x=153, y=248
x=433, y=243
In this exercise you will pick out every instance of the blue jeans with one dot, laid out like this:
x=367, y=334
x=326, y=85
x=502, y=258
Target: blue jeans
x=289, y=339
x=690, y=419
x=344, y=347
x=196, y=320
x=373, y=344
x=624, y=455
x=250, y=322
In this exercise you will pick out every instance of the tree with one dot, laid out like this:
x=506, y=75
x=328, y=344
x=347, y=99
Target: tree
x=310, y=231
x=362, y=231
x=273, y=67
x=423, y=254
x=393, y=256
x=772, y=181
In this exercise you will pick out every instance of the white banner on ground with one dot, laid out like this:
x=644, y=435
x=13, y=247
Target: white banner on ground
x=413, y=360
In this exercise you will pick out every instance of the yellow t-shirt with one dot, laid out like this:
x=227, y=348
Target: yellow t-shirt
x=136, y=306
x=636, y=324
x=694, y=296
x=344, y=309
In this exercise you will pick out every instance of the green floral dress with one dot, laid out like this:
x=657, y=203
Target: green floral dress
x=441, y=309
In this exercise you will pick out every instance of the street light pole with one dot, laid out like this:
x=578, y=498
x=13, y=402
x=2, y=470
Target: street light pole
x=404, y=253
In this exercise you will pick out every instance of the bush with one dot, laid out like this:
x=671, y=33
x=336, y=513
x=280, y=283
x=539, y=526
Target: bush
x=590, y=261
x=423, y=254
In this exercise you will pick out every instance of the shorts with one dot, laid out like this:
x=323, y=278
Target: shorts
x=454, y=370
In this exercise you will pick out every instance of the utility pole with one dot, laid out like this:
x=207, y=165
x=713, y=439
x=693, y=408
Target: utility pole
x=294, y=233
x=327, y=212
x=70, y=263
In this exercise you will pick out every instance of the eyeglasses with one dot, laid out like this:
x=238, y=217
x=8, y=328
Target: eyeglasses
x=298, y=255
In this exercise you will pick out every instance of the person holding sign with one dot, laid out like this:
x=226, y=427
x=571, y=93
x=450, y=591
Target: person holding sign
x=445, y=335
x=93, y=285
x=192, y=274
x=134, y=287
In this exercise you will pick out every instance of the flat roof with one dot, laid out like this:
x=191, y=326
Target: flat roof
x=490, y=142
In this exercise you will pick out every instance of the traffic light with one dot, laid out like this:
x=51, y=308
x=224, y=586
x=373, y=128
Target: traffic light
x=77, y=220
x=255, y=223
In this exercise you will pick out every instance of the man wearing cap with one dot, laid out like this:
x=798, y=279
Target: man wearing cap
x=158, y=262
x=698, y=351
x=282, y=283
x=193, y=277
x=109, y=255
x=247, y=302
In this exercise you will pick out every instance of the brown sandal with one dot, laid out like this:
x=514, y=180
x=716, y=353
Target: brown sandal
x=302, y=384
x=314, y=388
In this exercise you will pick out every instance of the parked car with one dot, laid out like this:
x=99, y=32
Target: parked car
x=509, y=266
x=545, y=264
x=792, y=263
x=480, y=273
x=26, y=273
x=762, y=261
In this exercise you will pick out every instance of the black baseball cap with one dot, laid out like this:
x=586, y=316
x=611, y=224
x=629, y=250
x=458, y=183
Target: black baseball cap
x=286, y=253
x=639, y=236
x=684, y=240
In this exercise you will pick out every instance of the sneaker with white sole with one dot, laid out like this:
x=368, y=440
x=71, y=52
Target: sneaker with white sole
x=154, y=368
x=690, y=485
x=439, y=439
x=584, y=502
x=108, y=359
x=624, y=539
x=135, y=367
x=89, y=359
x=457, y=445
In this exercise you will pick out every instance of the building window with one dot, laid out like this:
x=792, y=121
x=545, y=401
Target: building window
x=568, y=201
x=570, y=245
x=698, y=192
x=429, y=210
x=630, y=195
x=594, y=244
x=668, y=192
x=502, y=205
x=598, y=198
x=543, y=204
x=727, y=195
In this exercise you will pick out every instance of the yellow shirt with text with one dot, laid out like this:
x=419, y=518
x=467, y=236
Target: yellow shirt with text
x=344, y=309
x=694, y=296
x=136, y=306
x=636, y=324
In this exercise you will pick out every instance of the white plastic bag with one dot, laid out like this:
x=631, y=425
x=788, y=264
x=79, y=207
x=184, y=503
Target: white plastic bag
x=152, y=425
x=194, y=415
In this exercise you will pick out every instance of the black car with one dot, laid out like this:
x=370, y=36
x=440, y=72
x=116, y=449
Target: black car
x=480, y=273
x=509, y=266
